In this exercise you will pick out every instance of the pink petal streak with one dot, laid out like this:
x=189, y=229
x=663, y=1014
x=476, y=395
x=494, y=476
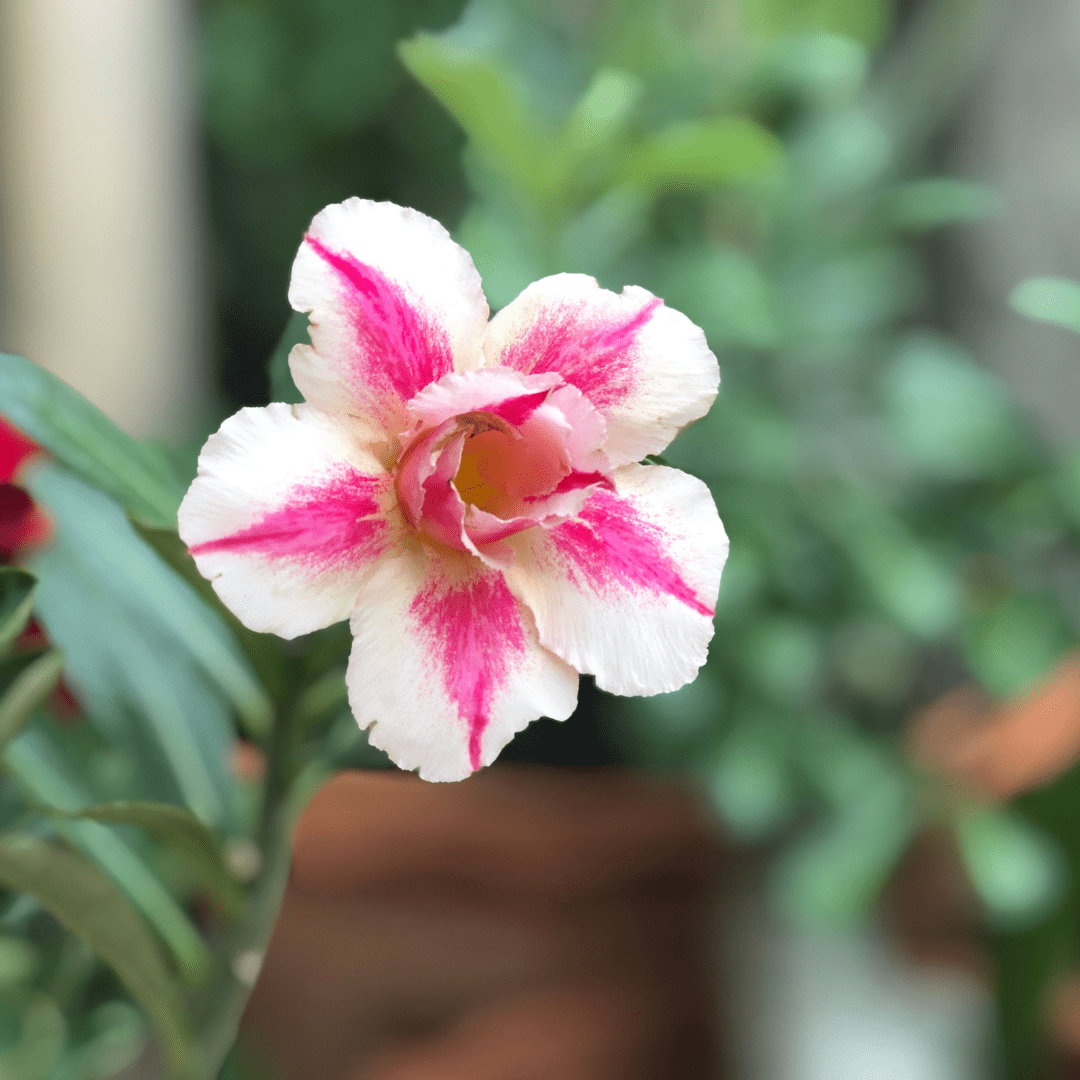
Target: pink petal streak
x=610, y=543
x=474, y=632
x=328, y=523
x=396, y=344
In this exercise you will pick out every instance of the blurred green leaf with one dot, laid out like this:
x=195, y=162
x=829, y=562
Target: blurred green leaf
x=934, y=201
x=179, y=830
x=29, y=688
x=328, y=694
x=604, y=231
x=19, y=960
x=505, y=250
x=91, y=906
x=16, y=603
x=832, y=874
x=874, y=658
x=479, y=92
x=704, y=153
x=282, y=387
x=676, y=720
x=865, y=21
x=117, y=1040
x=1017, y=643
x=1050, y=299
x=911, y=581
x=602, y=114
x=727, y=294
x=1020, y=874
x=37, y=762
x=265, y=651
x=837, y=153
x=850, y=294
x=40, y=1041
x=785, y=658
x=749, y=779
x=952, y=418
x=87, y=441
x=145, y=592
x=821, y=67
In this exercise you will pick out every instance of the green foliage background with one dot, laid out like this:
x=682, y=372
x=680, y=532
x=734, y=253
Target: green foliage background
x=897, y=525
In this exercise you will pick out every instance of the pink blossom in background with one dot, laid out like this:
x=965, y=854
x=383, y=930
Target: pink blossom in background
x=23, y=525
x=467, y=492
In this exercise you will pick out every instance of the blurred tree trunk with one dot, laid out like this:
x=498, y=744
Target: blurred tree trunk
x=99, y=203
x=1020, y=132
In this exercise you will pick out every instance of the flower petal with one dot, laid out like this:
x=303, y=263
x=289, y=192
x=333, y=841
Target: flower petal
x=286, y=516
x=395, y=304
x=445, y=665
x=15, y=449
x=626, y=591
x=646, y=367
x=506, y=393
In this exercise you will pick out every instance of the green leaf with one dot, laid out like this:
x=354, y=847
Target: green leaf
x=282, y=387
x=140, y=644
x=87, y=441
x=41, y=1041
x=785, y=657
x=912, y=582
x=953, y=419
x=1020, y=873
x=938, y=200
x=265, y=651
x=704, y=153
x=600, y=117
x=180, y=830
x=865, y=21
x=726, y=294
x=479, y=92
x=832, y=874
x=16, y=603
x=30, y=687
x=1017, y=643
x=41, y=768
x=328, y=695
x=113, y=551
x=1054, y=300
x=604, y=230
x=749, y=779
x=89, y=905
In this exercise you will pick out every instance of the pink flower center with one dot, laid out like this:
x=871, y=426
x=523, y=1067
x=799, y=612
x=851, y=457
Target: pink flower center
x=522, y=451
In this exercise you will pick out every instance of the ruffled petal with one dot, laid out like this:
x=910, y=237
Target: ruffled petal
x=507, y=394
x=646, y=367
x=395, y=304
x=626, y=591
x=287, y=516
x=446, y=667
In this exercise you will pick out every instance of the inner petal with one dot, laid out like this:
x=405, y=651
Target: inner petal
x=501, y=469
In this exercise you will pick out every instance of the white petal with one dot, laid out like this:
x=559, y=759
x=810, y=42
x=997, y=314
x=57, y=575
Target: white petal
x=286, y=516
x=626, y=591
x=445, y=664
x=395, y=304
x=646, y=367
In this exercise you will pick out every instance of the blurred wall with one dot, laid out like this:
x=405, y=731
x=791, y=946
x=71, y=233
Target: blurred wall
x=100, y=241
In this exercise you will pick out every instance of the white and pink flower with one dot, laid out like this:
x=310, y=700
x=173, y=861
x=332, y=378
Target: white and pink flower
x=467, y=493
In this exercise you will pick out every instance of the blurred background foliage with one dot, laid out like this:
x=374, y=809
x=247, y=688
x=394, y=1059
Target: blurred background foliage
x=768, y=167
x=897, y=526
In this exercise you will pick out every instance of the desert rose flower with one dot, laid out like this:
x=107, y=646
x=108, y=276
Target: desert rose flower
x=23, y=525
x=467, y=493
